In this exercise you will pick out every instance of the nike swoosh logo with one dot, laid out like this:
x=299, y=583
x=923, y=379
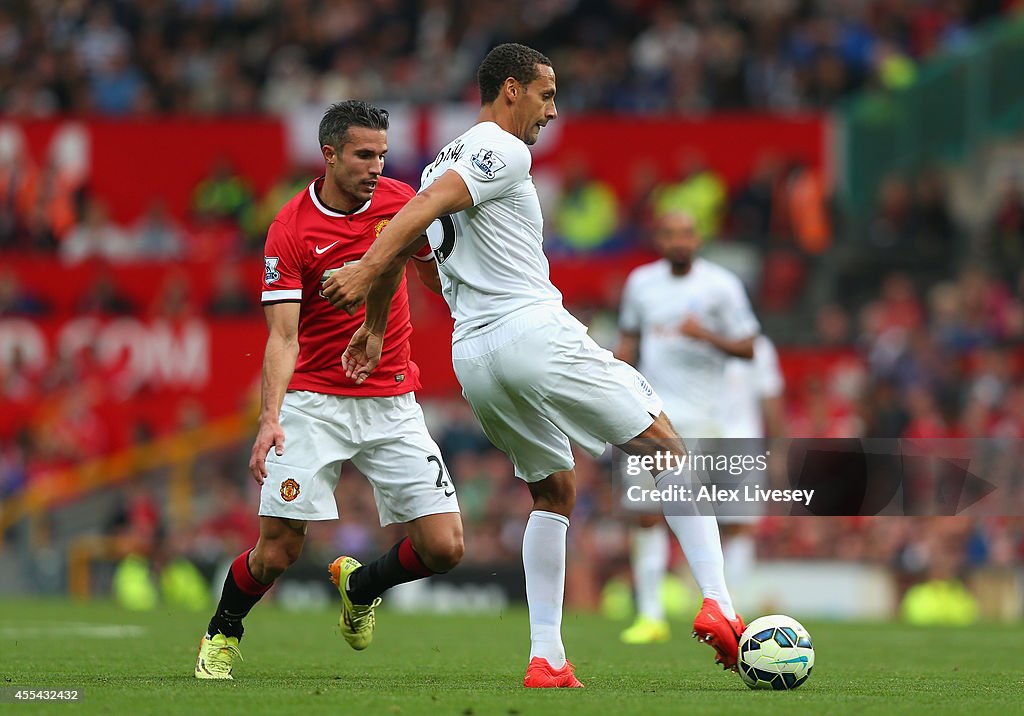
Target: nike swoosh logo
x=320, y=251
x=449, y=494
x=794, y=660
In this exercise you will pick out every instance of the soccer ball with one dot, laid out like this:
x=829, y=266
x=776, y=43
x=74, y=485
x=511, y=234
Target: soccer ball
x=775, y=653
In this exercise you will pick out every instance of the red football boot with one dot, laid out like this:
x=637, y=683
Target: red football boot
x=541, y=675
x=723, y=635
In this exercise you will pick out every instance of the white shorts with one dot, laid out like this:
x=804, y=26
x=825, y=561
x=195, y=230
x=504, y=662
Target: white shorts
x=385, y=438
x=537, y=381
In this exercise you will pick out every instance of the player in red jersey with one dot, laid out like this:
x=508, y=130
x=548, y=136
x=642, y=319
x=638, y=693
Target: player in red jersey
x=313, y=417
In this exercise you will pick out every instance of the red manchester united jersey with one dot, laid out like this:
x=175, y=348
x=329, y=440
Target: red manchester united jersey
x=306, y=242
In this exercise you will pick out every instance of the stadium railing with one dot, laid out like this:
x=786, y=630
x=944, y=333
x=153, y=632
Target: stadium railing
x=177, y=453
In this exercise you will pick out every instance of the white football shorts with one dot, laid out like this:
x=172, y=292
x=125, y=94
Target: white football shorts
x=537, y=380
x=386, y=438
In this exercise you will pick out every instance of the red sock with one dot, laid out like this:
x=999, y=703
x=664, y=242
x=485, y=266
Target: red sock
x=242, y=574
x=240, y=594
x=411, y=561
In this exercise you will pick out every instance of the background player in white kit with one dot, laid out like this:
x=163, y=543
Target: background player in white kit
x=531, y=374
x=755, y=409
x=682, y=318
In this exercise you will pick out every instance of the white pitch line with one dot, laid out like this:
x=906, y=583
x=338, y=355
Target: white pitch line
x=64, y=629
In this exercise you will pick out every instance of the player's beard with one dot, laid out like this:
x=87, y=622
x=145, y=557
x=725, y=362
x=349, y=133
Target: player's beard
x=681, y=266
x=361, y=192
x=533, y=134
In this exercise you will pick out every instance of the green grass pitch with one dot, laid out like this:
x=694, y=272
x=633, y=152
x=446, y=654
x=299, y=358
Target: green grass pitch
x=297, y=663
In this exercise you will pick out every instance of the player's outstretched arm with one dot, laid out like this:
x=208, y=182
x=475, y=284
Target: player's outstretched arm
x=429, y=275
x=348, y=287
x=279, y=360
x=628, y=348
x=734, y=347
x=362, y=354
x=364, y=349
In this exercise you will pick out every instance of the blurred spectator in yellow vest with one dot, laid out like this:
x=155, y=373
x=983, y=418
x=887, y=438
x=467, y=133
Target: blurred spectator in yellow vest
x=223, y=194
x=587, y=215
x=258, y=216
x=940, y=602
x=942, y=599
x=698, y=192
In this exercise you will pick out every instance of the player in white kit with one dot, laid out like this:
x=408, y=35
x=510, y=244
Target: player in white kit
x=753, y=394
x=531, y=374
x=754, y=406
x=682, y=320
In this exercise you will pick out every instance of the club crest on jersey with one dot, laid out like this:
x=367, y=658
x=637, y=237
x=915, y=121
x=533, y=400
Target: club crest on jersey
x=270, y=272
x=289, y=490
x=379, y=227
x=487, y=162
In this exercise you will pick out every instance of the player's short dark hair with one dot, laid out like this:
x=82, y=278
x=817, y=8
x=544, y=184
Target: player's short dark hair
x=504, y=61
x=351, y=113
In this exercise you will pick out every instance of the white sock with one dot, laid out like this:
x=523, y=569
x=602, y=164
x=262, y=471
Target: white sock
x=650, y=562
x=740, y=557
x=702, y=545
x=544, y=563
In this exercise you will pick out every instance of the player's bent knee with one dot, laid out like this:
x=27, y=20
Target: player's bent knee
x=276, y=557
x=563, y=506
x=276, y=561
x=448, y=558
x=559, y=498
x=442, y=554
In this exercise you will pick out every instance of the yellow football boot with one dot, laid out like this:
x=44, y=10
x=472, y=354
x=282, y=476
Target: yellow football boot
x=217, y=655
x=646, y=631
x=356, y=620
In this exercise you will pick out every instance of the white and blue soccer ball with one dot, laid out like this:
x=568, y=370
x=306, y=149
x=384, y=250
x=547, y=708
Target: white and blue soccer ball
x=776, y=652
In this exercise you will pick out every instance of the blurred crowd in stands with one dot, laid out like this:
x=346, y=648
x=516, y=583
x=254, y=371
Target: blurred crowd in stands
x=222, y=522
x=929, y=322
x=943, y=364
x=927, y=315
x=250, y=57
x=51, y=210
x=246, y=56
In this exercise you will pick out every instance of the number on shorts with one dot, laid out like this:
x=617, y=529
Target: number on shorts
x=442, y=479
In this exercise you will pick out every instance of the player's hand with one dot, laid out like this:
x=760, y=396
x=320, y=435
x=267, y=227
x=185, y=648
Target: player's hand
x=362, y=354
x=270, y=435
x=347, y=287
x=692, y=328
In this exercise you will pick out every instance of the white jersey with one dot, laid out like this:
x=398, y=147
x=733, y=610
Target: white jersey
x=688, y=374
x=747, y=384
x=490, y=256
